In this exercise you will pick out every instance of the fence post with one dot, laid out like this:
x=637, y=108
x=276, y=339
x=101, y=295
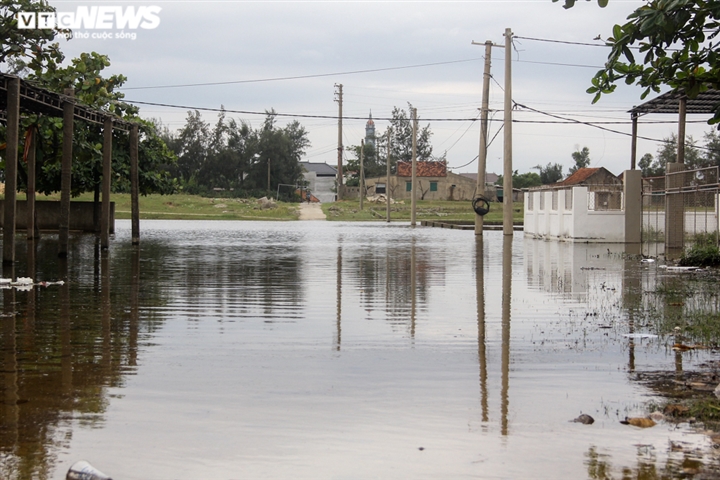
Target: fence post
x=632, y=198
x=674, y=209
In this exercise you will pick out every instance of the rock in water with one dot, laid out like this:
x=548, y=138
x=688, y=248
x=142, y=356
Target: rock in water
x=585, y=419
x=639, y=422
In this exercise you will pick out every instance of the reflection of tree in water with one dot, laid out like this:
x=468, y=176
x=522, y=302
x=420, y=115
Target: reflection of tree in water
x=66, y=345
x=238, y=281
x=384, y=275
x=678, y=464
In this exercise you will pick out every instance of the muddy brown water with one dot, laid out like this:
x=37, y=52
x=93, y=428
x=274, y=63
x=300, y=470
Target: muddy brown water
x=236, y=350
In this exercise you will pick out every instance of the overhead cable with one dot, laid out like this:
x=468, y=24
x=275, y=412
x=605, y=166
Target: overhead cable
x=298, y=77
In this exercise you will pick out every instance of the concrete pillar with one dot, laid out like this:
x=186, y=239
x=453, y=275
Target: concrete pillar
x=632, y=196
x=106, y=179
x=66, y=172
x=674, y=208
x=13, y=131
x=134, y=185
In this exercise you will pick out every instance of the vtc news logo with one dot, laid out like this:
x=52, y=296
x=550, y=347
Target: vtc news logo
x=92, y=18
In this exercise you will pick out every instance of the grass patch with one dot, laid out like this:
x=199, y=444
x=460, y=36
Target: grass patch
x=192, y=207
x=438, y=210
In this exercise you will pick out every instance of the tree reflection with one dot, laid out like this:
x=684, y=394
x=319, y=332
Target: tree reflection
x=64, y=345
x=686, y=464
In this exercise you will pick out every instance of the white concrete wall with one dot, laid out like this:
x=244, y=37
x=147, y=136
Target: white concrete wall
x=577, y=224
x=321, y=187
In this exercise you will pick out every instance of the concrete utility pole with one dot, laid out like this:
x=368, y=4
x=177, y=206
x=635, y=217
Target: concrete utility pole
x=387, y=180
x=362, y=173
x=507, y=154
x=339, y=181
x=482, y=154
x=413, y=201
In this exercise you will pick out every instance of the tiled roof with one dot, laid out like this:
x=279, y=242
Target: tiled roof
x=322, y=169
x=581, y=175
x=424, y=169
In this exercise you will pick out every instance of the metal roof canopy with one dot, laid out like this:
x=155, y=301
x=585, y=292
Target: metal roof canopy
x=669, y=102
x=674, y=102
x=39, y=100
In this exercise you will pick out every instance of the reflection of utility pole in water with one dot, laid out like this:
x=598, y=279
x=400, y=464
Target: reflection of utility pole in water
x=413, y=288
x=29, y=322
x=506, y=294
x=106, y=361
x=134, y=308
x=631, y=295
x=338, y=336
x=480, y=293
x=10, y=419
x=65, y=331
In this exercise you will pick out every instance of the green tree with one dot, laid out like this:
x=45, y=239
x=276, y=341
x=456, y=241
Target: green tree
x=650, y=167
x=550, y=173
x=282, y=149
x=30, y=52
x=231, y=150
x=712, y=145
x=581, y=159
x=676, y=47
x=22, y=48
x=522, y=180
x=667, y=153
x=193, y=143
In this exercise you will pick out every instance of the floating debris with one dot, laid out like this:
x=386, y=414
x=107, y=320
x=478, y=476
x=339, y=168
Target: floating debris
x=584, y=418
x=676, y=410
x=647, y=260
x=657, y=416
x=82, y=470
x=639, y=335
x=642, y=422
x=684, y=348
x=681, y=269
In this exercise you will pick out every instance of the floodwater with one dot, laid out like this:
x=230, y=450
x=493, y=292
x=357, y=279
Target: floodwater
x=234, y=350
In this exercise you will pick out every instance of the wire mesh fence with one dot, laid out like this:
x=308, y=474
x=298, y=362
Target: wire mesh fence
x=692, y=195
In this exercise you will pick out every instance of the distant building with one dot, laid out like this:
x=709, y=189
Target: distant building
x=434, y=183
x=490, y=178
x=370, y=131
x=321, y=180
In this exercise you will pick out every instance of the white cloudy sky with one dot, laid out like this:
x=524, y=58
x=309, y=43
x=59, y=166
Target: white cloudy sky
x=230, y=41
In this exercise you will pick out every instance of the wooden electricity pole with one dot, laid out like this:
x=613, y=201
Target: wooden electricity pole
x=362, y=173
x=507, y=154
x=339, y=180
x=413, y=201
x=387, y=170
x=482, y=154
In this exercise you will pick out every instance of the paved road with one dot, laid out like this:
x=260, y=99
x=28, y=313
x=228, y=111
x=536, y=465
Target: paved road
x=311, y=211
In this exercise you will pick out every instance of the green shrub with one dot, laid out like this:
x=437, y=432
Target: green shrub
x=700, y=255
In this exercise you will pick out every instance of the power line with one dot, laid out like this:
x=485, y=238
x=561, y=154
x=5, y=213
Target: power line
x=570, y=120
x=605, y=45
x=295, y=115
x=298, y=77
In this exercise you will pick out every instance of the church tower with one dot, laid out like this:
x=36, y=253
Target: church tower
x=370, y=131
